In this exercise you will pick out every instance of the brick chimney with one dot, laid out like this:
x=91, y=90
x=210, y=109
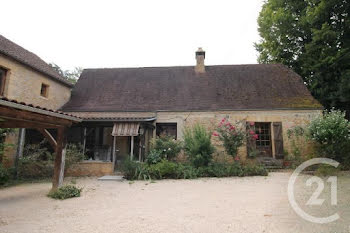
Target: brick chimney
x=200, y=56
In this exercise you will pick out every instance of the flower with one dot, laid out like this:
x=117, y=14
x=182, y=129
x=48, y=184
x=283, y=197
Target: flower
x=223, y=120
x=237, y=158
x=251, y=132
x=215, y=134
x=256, y=136
x=251, y=123
x=232, y=127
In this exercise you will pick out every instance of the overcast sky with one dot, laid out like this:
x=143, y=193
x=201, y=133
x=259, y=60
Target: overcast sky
x=131, y=33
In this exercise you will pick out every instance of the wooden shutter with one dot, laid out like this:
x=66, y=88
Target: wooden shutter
x=251, y=143
x=278, y=140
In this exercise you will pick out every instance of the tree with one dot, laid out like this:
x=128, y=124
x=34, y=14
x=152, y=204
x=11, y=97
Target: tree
x=313, y=38
x=71, y=75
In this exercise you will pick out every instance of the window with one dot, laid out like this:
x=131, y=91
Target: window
x=2, y=80
x=167, y=129
x=264, y=134
x=44, y=90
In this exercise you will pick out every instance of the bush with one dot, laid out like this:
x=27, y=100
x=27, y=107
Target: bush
x=4, y=175
x=232, y=136
x=164, y=169
x=130, y=169
x=332, y=134
x=64, y=192
x=167, y=146
x=254, y=170
x=326, y=170
x=74, y=154
x=172, y=170
x=38, y=161
x=153, y=157
x=198, y=145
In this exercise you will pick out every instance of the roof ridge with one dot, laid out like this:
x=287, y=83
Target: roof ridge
x=184, y=66
x=23, y=61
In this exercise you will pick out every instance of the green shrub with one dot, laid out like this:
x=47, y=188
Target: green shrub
x=164, y=169
x=64, y=192
x=130, y=169
x=38, y=161
x=173, y=170
x=332, y=134
x=4, y=175
x=28, y=168
x=153, y=157
x=168, y=147
x=187, y=171
x=254, y=170
x=326, y=170
x=198, y=146
x=74, y=154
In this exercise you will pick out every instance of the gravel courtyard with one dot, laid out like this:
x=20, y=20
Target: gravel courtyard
x=249, y=204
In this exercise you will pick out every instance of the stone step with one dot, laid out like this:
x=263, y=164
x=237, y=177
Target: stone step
x=111, y=178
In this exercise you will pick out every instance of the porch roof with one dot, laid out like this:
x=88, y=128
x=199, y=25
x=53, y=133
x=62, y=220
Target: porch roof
x=119, y=119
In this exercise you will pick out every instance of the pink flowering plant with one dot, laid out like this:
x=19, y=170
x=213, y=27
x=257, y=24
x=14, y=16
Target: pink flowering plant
x=233, y=136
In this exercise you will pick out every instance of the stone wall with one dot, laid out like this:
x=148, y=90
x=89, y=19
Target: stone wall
x=90, y=168
x=211, y=119
x=289, y=119
x=24, y=84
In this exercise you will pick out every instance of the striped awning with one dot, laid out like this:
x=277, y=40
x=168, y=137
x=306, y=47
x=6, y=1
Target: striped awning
x=126, y=129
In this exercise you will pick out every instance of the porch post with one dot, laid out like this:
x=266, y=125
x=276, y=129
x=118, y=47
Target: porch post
x=132, y=148
x=140, y=150
x=20, y=147
x=84, y=142
x=114, y=148
x=58, y=174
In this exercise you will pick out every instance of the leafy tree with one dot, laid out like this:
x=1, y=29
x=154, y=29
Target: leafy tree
x=313, y=38
x=71, y=75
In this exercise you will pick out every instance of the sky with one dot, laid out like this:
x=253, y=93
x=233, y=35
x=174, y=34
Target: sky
x=132, y=33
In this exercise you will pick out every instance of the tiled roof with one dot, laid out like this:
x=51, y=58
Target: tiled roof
x=29, y=59
x=223, y=87
x=31, y=107
x=120, y=119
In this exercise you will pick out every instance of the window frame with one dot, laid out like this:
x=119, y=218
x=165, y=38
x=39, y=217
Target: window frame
x=3, y=81
x=46, y=90
x=167, y=124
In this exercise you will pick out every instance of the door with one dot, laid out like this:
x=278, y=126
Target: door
x=263, y=143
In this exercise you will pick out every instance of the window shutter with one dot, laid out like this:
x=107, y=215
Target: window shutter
x=278, y=139
x=251, y=143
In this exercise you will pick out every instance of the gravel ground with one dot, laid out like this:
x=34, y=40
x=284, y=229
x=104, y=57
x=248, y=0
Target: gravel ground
x=249, y=204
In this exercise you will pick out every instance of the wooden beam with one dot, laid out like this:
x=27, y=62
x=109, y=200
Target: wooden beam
x=58, y=174
x=49, y=137
x=26, y=124
x=16, y=114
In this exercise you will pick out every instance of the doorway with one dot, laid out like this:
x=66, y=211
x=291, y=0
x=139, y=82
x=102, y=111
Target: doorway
x=263, y=143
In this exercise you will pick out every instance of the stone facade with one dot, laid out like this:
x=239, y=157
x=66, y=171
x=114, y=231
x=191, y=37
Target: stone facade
x=90, y=168
x=24, y=84
x=289, y=119
x=211, y=119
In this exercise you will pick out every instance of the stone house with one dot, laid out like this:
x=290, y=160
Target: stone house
x=26, y=78
x=123, y=108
